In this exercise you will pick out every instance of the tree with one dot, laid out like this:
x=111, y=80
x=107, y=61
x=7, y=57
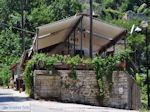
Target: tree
x=55, y=11
x=4, y=75
x=10, y=47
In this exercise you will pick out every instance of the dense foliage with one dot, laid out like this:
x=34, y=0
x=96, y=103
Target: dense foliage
x=36, y=12
x=4, y=75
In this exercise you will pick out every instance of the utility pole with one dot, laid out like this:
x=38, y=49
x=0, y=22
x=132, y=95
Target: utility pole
x=81, y=32
x=147, y=68
x=22, y=25
x=91, y=30
x=144, y=25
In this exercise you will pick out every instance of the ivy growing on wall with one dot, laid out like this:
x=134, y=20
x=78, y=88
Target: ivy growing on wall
x=73, y=62
x=38, y=61
x=103, y=68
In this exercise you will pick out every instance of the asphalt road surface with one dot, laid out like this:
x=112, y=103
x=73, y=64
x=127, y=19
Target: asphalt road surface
x=13, y=101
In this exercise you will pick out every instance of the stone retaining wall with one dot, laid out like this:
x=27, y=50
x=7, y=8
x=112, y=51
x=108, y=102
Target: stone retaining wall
x=125, y=92
x=46, y=86
x=83, y=90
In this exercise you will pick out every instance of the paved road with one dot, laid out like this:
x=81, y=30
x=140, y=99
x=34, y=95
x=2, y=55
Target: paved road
x=11, y=100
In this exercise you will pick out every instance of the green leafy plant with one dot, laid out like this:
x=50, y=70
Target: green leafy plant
x=103, y=67
x=4, y=75
x=73, y=62
x=122, y=54
x=98, y=64
x=47, y=63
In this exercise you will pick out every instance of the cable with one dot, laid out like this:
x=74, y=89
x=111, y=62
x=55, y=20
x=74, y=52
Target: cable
x=18, y=28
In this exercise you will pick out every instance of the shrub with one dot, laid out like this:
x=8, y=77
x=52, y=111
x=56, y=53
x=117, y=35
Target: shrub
x=4, y=75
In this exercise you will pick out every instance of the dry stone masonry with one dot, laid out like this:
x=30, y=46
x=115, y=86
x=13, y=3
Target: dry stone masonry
x=83, y=90
x=125, y=92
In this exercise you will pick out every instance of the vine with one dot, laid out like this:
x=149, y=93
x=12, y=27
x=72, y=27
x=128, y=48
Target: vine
x=73, y=62
x=38, y=61
x=103, y=68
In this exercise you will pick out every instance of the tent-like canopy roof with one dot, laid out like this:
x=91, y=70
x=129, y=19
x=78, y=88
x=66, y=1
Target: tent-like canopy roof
x=104, y=34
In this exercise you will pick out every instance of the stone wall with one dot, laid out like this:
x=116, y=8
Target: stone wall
x=46, y=85
x=125, y=92
x=83, y=90
x=134, y=94
x=119, y=95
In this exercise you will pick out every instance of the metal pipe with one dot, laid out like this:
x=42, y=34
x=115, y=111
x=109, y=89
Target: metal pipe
x=74, y=37
x=91, y=29
x=81, y=31
x=114, y=48
x=147, y=71
x=125, y=42
x=37, y=35
x=22, y=25
x=68, y=45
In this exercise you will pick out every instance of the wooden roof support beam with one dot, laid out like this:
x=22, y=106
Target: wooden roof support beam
x=75, y=26
x=112, y=42
x=100, y=35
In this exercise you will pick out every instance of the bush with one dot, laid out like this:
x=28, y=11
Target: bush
x=4, y=75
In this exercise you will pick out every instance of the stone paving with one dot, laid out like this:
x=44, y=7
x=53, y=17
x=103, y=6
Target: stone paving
x=15, y=101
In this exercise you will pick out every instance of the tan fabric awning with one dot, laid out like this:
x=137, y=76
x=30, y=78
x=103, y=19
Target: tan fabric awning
x=55, y=33
x=104, y=34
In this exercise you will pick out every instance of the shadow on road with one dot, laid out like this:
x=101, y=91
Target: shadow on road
x=13, y=99
x=5, y=94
